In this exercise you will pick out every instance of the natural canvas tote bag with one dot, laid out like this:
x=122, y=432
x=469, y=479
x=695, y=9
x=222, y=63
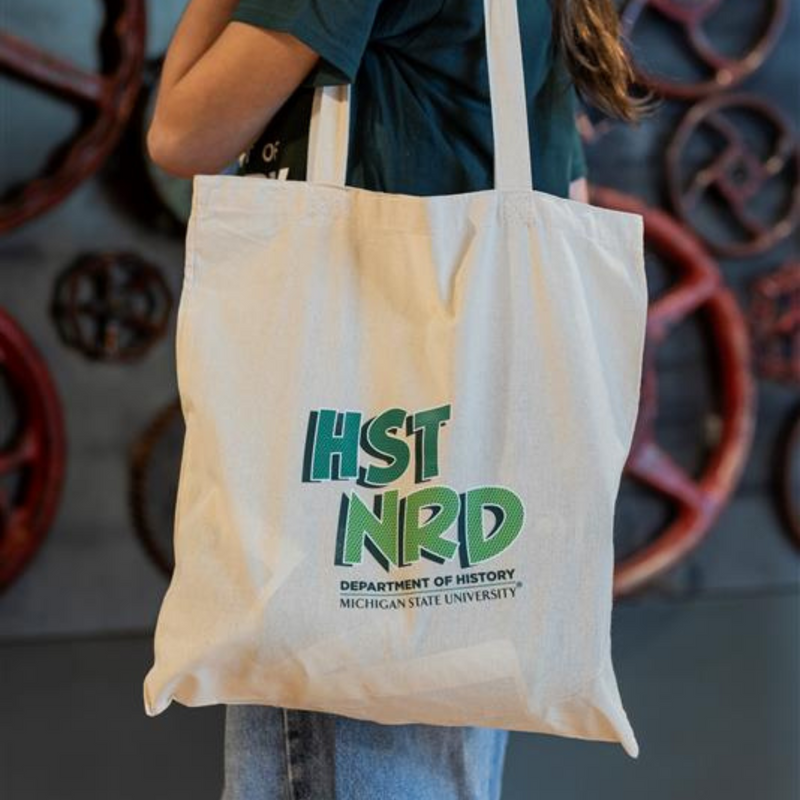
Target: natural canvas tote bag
x=406, y=423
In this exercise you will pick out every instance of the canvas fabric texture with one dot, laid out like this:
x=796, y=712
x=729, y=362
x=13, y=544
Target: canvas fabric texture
x=406, y=423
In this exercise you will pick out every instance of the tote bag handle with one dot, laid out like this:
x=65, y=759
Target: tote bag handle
x=329, y=130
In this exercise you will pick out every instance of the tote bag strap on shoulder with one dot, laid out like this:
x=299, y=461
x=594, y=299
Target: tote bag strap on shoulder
x=330, y=114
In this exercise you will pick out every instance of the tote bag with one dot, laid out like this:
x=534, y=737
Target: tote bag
x=406, y=423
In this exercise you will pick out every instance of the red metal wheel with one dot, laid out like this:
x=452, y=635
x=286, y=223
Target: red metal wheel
x=738, y=173
x=691, y=18
x=790, y=485
x=698, y=499
x=775, y=323
x=111, y=306
x=155, y=459
x=106, y=98
x=34, y=455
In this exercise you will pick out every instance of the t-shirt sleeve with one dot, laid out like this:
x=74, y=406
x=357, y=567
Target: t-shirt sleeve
x=339, y=30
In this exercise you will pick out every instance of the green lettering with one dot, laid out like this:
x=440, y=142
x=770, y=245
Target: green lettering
x=426, y=425
x=425, y=539
x=380, y=442
x=474, y=546
x=327, y=443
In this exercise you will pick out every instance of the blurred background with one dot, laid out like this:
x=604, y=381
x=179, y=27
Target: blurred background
x=706, y=627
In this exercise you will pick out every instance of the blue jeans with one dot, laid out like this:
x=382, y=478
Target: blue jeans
x=289, y=754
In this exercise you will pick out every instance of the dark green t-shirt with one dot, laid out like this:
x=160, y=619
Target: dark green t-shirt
x=420, y=111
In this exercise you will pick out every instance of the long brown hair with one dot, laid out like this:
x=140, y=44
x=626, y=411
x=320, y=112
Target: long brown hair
x=588, y=32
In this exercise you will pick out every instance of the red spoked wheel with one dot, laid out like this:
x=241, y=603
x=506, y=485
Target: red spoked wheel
x=105, y=98
x=31, y=454
x=733, y=170
x=699, y=499
x=111, y=306
x=156, y=458
x=790, y=484
x=775, y=323
x=690, y=17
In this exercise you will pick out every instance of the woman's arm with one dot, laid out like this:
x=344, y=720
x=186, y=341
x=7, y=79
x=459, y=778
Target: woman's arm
x=221, y=83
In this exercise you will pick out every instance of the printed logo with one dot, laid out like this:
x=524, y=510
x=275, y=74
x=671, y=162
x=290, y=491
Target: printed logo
x=270, y=151
x=392, y=528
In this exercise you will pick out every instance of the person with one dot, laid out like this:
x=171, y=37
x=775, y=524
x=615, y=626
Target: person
x=236, y=88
